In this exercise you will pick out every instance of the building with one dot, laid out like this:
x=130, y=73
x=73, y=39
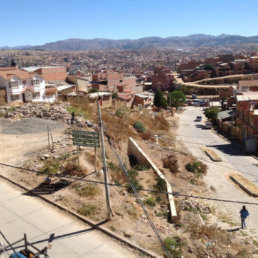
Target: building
x=253, y=63
x=251, y=85
x=110, y=81
x=144, y=99
x=22, y=86
x=162, y=79
x=247, y=115
x=49, y=73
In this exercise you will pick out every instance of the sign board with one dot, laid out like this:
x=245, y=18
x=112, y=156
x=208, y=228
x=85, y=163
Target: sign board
x=86, y=139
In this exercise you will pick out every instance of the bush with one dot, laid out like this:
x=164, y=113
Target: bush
x=51, y=167
x=174, y=245
x=121, y=112
x=196, y=167
x=171, y=163
x=139, y=167
x=161, y=185
x=136, y=184
x=139, y=126
x=88, y=190
x=150, y=201
x=88, y=209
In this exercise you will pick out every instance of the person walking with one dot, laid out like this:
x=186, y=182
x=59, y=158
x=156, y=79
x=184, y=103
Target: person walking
x=243, y=215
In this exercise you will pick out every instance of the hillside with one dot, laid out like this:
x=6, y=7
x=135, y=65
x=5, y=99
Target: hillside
x=196, y=40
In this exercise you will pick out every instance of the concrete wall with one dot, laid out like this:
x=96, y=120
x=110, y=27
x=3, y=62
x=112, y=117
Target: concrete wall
x=135, y=150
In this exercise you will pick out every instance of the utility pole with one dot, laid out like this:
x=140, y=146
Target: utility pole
x=105, y=171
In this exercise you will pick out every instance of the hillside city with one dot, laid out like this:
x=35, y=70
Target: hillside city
x=151, y=151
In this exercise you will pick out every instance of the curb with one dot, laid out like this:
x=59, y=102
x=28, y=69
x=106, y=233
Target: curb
x=245, y=184
x=91, y=223
x=212, y=155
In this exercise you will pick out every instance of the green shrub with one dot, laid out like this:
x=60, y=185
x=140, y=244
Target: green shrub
x=174, y=246
x=139, y=126
x=139, y=167
x=132, y=173
x=11, y=109
x=196, y=167
x=150, y=201
x=121, y=112
x=88, y=209
x=88, y=190
x=161, y=185
x=136, y=184
x=51, y=167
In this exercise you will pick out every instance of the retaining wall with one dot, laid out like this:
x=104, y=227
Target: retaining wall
x=135, y=150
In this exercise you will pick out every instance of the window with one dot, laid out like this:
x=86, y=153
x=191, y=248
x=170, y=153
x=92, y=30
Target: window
x=36, y=95
x=15, y=97
x=14, y=85
x=35, y=82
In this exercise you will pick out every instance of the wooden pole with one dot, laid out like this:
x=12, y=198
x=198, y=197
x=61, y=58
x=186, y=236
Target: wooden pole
x=104, y=163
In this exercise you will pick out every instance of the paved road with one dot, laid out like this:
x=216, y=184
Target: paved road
x=20, y=213
x=193, y=137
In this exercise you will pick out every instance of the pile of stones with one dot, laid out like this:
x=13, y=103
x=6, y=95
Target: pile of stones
x=190, y=205
x=40, y=110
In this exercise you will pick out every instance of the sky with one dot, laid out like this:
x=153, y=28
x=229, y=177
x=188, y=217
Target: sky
x=36, y=22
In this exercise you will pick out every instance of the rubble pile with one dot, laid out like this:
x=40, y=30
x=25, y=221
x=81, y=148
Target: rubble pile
x=39, y=110
x=190, y=205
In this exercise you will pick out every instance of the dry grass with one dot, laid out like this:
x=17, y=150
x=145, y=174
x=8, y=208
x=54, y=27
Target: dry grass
x=171, y=163
x=210, y=232
x=71, y=168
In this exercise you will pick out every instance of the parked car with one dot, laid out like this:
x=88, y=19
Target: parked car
x=198, y=118
x=208, y=125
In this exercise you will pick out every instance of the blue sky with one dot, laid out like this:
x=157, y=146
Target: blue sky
x=32, y=22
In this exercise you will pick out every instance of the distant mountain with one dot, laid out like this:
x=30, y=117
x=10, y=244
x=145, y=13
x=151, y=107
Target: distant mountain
x=195, y=40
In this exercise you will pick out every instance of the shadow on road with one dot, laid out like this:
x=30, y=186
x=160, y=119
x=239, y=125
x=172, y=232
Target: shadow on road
x=231, y=149
x=52, y=236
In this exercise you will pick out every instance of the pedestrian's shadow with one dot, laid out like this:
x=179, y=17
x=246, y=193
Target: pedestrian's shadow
x=233, y=230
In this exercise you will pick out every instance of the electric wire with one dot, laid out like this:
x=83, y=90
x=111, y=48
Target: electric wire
x=144, y=190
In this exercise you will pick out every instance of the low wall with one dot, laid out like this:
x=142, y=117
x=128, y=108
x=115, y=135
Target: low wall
x=135, y=150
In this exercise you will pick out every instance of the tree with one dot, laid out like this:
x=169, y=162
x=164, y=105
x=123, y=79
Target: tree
x=212, y=113
x=114, y=95
x=210, y=67
x=176, y=98
x=159, y=100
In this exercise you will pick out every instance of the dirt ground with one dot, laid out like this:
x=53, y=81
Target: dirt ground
x=189, y=233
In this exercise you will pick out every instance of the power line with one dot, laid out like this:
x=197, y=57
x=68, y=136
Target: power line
x=144, y=190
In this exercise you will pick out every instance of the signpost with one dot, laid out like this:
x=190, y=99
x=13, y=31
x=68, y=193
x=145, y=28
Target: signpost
x=86, y=139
